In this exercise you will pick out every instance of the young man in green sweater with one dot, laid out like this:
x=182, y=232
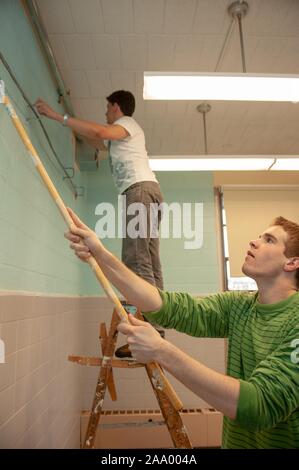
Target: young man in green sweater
x=259, y=396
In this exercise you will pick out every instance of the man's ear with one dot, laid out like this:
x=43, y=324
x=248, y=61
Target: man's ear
x=292, y=264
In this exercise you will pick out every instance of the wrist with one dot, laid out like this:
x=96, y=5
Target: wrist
x=102, y=255
x=57, y=117
x=65, y=119
x=162, y=352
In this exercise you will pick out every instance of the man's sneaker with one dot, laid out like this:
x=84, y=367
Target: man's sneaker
x=123, y=352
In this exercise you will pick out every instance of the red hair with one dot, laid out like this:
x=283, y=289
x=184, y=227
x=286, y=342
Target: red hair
x=292, y=245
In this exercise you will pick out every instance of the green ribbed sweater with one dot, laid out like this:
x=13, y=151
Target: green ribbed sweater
x=263, y=353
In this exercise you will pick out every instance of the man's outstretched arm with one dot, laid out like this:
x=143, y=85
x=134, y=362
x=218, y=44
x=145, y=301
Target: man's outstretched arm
x=91, y=130
x=142, y=294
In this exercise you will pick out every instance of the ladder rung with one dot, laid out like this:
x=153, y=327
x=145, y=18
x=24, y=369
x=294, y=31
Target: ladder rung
x=97, y=361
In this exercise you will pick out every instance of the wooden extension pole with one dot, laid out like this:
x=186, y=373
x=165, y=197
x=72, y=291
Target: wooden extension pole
x=158, y=376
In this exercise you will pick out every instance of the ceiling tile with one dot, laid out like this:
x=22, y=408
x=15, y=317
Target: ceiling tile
x=266, y=54
x=212, y=17
x=176, y=109
x=153, y=146
x=134, y=52
x=162, y=127
x=179, y=16
x=235, y=110
x=218, y=109
x=93, y=109
x=87, y=16
x=184, y=147
x=210, y=53
x=139, y=111
x=187, y=53
x=107, y=51
x=99, y=83
x=258, y=110
x=267, y=18
x=289, y=26
x=118, y=16
x=149, y=16
x=160, y=52
x=146, y=124
x=59, y=51
x=79, y=51
x=154, y=109
x=286, y=113
x=57, y=16
x=289, y=49
x=122, y=80
x=76, y=82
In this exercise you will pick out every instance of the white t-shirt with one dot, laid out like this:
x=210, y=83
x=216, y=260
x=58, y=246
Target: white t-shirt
x=128, y=157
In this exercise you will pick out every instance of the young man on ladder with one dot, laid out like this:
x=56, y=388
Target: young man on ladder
x=133, y=178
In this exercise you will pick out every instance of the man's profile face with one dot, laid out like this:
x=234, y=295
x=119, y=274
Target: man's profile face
x=110, y=113
x=266, y=255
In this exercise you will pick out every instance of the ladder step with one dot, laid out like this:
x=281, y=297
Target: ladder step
x=97, y=361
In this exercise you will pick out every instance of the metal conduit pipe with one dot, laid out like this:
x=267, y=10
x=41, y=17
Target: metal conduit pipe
x=33, y=14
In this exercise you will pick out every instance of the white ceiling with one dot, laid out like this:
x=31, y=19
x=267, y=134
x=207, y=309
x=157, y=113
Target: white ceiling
x=104, y=45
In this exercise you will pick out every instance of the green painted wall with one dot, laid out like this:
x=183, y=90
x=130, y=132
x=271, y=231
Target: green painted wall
x=33, y=253
x=191, y=270
x=194, y=271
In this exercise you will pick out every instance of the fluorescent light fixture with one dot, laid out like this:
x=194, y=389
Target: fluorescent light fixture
x=220, y=86
x=210, y=164
x=286, y=164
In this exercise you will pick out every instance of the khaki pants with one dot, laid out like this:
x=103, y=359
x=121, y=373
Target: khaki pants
x=141, y=254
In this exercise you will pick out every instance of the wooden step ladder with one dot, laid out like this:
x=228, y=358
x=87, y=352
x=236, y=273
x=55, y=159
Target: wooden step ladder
x=167, y=399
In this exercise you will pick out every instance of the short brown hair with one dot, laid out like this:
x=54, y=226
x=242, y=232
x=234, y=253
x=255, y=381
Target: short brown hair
x=124, y=99
x=292, y=245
